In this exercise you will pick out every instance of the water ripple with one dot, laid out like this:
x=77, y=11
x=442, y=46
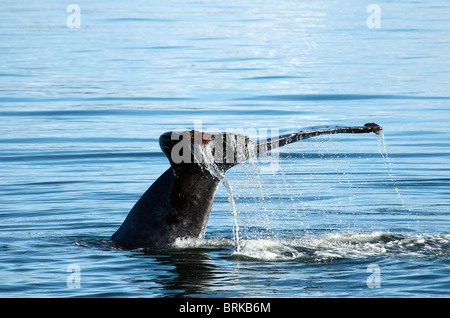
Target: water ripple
x=340, y=97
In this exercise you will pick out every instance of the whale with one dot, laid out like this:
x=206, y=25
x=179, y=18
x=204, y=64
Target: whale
x=178, y=204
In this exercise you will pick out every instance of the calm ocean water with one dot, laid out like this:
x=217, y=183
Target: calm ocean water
x=81, y=110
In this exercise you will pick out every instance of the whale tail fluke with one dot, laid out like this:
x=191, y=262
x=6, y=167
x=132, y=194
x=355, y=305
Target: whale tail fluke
x=179, y=202
x=229, y=149
x=302, y=135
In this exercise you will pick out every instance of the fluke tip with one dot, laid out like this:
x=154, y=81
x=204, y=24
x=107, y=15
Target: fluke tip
x=375, y=127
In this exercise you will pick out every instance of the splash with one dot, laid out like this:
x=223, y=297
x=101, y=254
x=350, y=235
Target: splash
x=325, y=248
x=348, y=245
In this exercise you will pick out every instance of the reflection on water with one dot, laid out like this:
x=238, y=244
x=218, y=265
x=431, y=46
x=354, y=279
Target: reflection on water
x=200, y=267
x=192, y=273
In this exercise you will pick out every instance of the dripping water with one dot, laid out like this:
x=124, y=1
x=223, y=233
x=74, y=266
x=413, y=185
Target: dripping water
x=382, y=148
x=204, y=155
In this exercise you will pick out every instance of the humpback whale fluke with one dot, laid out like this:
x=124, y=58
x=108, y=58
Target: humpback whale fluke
x=179, y=202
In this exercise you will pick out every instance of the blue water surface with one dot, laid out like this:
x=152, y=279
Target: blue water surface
x=82, y=108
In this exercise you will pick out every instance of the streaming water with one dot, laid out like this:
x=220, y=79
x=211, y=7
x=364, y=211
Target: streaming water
x=205, y=156
x=382, y=148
